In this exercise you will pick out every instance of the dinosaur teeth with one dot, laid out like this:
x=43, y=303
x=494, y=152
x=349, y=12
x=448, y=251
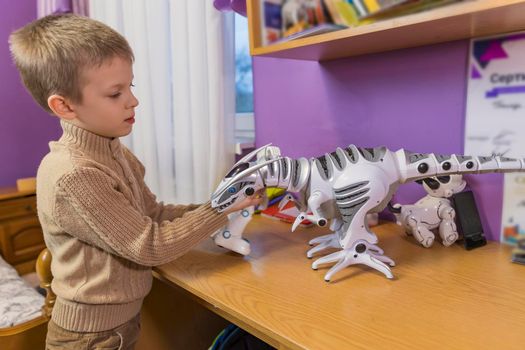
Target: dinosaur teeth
x=226, y=205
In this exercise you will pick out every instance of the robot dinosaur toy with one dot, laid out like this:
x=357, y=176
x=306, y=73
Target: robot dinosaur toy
x=339, y=189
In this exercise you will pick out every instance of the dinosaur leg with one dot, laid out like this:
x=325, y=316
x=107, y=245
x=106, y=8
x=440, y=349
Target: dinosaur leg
x=354, y=199
x=361, y=252
x=314, y=204
x=377, y=253
x=321, y=239
x=326, y=241
x=335, y=225
x=230, y=237
x=323, y=242
x=330, y=258
x=357, y=241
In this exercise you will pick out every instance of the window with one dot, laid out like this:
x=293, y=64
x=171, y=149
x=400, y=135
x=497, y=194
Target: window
x=244, y=121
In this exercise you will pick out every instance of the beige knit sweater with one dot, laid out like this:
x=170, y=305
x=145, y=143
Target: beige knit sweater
x=105, y=229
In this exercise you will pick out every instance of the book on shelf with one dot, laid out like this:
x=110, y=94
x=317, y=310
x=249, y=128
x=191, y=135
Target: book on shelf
x=319, y=29
x=301, y=15
x=341, y=12
x=382, y=9
x=333, y=13
x=348, y=12
x=285, y=20
x=359, y=7
x=271, y=21
x=368, y=8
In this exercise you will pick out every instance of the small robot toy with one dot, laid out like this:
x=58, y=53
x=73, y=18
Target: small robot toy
x=434, y=211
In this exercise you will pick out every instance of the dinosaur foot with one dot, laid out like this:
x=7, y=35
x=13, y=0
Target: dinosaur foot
x=322, y=243
x=234, y=243
x=361, y=252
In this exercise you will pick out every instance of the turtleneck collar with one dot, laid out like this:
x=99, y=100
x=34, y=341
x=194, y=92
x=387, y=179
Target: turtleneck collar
x=87, y=141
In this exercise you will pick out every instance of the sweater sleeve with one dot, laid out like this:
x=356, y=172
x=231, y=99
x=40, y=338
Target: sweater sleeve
x=159, y=211
x=91, y=206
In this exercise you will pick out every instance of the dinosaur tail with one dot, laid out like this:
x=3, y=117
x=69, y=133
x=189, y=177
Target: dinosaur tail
x=415, y=166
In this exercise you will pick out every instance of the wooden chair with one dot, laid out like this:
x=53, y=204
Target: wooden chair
x=32, y=334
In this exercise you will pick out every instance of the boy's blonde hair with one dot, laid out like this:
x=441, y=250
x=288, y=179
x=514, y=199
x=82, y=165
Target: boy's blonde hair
x=50, y=54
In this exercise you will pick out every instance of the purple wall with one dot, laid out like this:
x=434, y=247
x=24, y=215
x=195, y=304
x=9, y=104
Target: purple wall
x=25, y=129
x=412, y=99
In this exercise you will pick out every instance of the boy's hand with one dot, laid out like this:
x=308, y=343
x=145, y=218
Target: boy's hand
x=252, y=200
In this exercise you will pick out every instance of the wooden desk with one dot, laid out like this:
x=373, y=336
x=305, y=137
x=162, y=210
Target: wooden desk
x=12, y=192
x=446, y=298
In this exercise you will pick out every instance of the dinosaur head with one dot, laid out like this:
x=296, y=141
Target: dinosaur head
x=443, y=186
x=245, y=178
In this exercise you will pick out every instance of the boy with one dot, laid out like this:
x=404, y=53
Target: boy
x=101, y=223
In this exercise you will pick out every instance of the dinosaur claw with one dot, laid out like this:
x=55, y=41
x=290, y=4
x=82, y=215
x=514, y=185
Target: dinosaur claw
x=284, y=201
x=297, y=222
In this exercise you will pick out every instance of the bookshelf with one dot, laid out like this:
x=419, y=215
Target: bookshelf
x=462, y=20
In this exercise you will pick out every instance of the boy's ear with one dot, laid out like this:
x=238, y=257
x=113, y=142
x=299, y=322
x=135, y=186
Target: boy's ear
x=61, y=107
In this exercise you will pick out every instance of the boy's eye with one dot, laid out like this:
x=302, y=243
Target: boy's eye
x=115, y=95
x=132, y=85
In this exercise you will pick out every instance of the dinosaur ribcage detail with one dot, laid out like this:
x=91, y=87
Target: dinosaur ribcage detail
x=337, y=160
x=373, y=154
x=349, y=200
x=324, y=168
x=295, y=172
x=340, y=159
x=284, y=168
x=352, y=153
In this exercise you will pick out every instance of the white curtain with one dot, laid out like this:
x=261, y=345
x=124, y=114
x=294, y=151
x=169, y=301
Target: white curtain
x=185, y=82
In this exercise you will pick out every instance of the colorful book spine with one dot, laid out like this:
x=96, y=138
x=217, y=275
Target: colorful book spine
x=347, y=12
x=271, y=20
x=333, y=12
x=372, y=6
x=359, y=7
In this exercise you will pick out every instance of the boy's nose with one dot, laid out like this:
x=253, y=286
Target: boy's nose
x=134, y=101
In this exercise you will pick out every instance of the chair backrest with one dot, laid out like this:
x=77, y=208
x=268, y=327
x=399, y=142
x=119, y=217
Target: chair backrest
x=43, y=270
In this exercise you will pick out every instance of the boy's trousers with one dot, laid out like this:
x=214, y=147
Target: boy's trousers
x=124, y=337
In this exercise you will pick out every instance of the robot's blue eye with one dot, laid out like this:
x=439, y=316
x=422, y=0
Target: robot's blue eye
x=232, y=190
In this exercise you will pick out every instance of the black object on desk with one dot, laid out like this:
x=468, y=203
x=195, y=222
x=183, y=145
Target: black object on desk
x=518, y=254
x=468, y=221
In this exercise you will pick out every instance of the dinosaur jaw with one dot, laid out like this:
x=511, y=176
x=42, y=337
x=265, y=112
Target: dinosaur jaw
x=225, y=205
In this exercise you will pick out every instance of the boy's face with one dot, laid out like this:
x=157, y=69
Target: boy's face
x=108, y=104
